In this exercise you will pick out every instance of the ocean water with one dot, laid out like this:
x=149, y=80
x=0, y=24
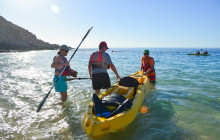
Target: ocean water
x=185, y=104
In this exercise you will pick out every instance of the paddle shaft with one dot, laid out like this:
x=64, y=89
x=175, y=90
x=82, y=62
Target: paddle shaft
x=43, y=101
x=69, y=79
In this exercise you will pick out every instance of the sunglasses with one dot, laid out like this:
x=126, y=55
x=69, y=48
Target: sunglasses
x=65, y=50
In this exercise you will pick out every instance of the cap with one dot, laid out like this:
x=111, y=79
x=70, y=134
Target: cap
x=64, y=47
x=146, y=51
x=103, y=44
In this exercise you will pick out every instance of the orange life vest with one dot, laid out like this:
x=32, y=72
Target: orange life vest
x=145, y=66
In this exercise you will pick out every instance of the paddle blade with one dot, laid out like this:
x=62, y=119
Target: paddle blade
x=87, y=33
x=42, y=103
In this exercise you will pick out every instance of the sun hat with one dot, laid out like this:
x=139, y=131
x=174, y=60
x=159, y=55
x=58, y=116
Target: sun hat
x=103, y=44
x=146, y=51
x=64, y=47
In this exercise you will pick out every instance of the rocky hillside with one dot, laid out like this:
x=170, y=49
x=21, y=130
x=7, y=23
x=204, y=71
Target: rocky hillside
x=15, y=38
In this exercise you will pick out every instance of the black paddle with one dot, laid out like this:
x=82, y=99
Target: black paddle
x=69, y=79
x=42, y=103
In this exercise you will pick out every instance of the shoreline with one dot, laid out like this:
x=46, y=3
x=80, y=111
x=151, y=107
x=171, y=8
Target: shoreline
x=9, y=51
x=14, y=51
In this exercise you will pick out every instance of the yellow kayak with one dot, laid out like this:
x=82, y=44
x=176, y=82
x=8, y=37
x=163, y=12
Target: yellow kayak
x=97, y=124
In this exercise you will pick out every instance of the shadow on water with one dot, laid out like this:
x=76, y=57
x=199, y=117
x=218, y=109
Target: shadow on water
x=72, y=114
x=75, y=130
x=157, y=124
x=213, y=103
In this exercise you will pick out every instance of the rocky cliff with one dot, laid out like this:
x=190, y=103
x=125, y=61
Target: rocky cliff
x=15, y=38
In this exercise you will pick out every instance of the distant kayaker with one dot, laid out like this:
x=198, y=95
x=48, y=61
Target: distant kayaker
x=99, y=62
x=205, y=52
x=147, y=66
x=198, y=52
x=59, y=62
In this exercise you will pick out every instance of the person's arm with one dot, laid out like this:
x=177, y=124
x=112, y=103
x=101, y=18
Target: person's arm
x=108, y=62
x=149, y=70
x=57, y=62
x=141, y=68
x=114, y=70
x=90, y=70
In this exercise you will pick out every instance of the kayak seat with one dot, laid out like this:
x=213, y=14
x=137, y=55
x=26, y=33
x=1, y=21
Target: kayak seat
x=118, y=102
x=122, y=107
x=128, y=82
x=113, y=100
x=122, y=90
x=100, y=109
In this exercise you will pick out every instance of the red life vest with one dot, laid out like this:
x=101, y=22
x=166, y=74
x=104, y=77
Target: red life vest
x=96, y=63
x=92, y=60
x=67, y=70
x=146, y=65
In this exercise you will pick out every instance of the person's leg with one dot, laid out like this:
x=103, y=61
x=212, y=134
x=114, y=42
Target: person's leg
x=105, y=80
x=152, y=77
x=97, y=91
x=96, y=83
x=61, y=86
x=63, y=96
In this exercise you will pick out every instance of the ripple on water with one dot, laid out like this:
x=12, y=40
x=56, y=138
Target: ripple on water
x=184, y=105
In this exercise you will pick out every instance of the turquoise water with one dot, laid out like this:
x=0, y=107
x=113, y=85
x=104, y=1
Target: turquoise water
x=184, y=105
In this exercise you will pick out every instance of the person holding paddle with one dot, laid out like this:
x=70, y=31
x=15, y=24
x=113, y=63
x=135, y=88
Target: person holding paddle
x=147, y=66
x=99, y=62
x=64, y=48
x=59, y=63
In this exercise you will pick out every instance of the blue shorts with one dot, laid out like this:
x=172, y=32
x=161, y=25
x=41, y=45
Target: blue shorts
x=61, y=85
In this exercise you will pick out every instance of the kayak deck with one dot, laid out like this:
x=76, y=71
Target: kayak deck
x=96, y=126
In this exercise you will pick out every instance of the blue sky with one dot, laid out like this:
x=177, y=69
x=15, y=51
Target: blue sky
x=121, y=23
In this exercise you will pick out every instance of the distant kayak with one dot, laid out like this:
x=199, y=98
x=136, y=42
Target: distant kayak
x=198, y=54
